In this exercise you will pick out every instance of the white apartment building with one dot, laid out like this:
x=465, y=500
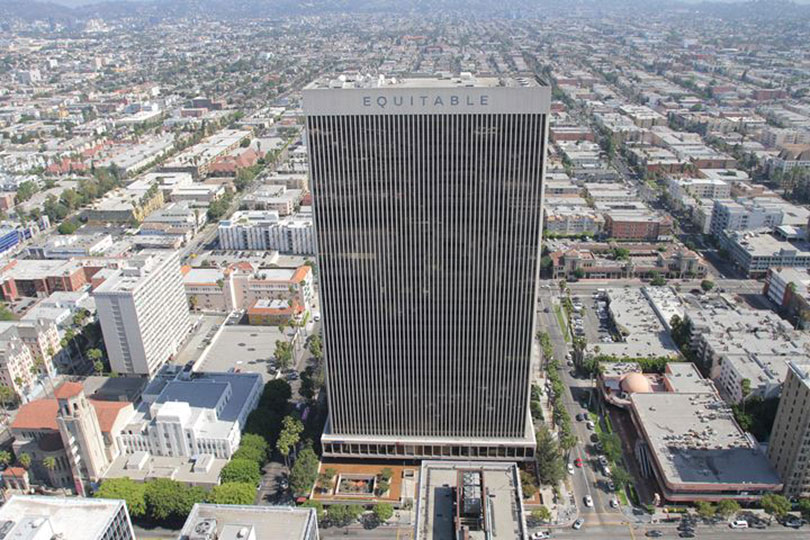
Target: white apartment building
x=182, y=416
x=257, y=230
x=701, y=188
x=773, y=137
x=744, y=216
x=143, y=312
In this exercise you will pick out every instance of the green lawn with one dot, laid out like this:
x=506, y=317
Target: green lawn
x=561, y=320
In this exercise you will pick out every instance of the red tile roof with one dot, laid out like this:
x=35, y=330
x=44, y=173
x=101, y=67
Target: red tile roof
x=68, y=390
x=41, y=414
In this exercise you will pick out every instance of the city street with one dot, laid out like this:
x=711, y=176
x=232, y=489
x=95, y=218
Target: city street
x=585, y=481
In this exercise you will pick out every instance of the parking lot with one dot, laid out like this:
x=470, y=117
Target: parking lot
x=591, y=319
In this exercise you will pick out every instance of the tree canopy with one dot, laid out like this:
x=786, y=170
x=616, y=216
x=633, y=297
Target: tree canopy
x=132, y=492
x=233, y=493
x=241, y=471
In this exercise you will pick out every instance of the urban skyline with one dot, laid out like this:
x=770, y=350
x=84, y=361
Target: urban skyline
x=419, y=269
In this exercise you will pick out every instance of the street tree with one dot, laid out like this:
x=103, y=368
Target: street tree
x=727, y=508
x=775, y=505
x=290, y=435
x=304, y=472
x=383, y=512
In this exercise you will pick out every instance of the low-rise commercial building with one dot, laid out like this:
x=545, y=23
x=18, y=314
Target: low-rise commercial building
x=70, y=246
x=230, y=521
x=37, y=517
x=754, y=252
x=470, y=499
x=186, y=414
x=688, y=439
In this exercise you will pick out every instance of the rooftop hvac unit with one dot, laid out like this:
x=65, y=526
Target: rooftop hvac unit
x=205, y=529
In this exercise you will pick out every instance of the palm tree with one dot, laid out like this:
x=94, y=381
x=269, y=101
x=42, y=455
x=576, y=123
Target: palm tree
x=24, y=460
x=49, y=463
x=5, y=457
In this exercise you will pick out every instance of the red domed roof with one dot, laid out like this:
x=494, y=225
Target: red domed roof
x=636, y=383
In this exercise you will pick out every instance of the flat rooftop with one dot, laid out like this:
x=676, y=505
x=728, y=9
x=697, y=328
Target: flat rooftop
x=503, y=500
x=695, y=440
x=76, y=518
x=464, y=80
x=267, y=522
x=248, y=348
x=176, y=468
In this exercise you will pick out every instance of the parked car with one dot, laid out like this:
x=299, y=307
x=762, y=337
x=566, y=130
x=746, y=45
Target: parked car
x=614, y=502
x=792, y=522
x=738, y=524
x=578, y=524
x=570, y=468
x=687, y=534
x=590, y=425
x=580, y=417
x=541, y=535
x=655, y=533
x=588, y=501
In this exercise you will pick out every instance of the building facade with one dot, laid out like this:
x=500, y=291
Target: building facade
x=143, y=312
x=789, y=447
x=427, y=198
x=263, y=230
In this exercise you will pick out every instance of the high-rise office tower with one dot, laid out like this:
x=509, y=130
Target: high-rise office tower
x=427, y=197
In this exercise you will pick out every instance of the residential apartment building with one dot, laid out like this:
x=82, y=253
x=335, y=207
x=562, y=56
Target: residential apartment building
x=789, y=288
x=264, y=230
x=565, y=220
x=636, y=225
x=738, y=345
x=143, y=312
x=16, y=363
x=744, y=216
x=789, y=446
x=240, y=286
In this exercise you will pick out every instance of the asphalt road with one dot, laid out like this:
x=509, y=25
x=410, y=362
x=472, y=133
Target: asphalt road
x=585, y=481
